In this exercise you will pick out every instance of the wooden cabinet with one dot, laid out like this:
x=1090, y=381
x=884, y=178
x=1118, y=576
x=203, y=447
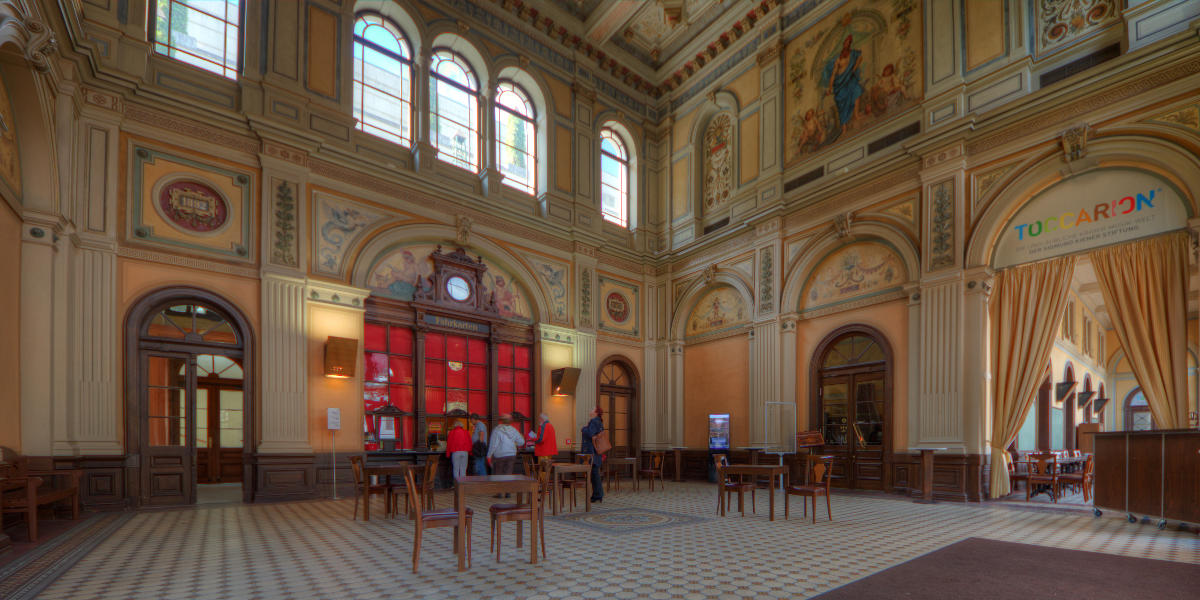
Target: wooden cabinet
x=1149, y=473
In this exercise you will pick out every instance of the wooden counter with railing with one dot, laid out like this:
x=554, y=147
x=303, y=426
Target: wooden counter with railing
x=1149, y=473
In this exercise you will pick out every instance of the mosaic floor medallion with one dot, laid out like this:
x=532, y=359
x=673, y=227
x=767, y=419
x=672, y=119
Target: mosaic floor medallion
x=628, y=520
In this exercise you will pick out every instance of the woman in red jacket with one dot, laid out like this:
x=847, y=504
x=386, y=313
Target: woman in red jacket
x=458, y=448
x=546, y=445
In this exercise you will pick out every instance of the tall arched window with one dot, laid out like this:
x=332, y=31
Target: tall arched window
x=1137, y=412
x=201, y=33
x=614, y=178
x=454, y=110
x=382, y=79
x=516, y=137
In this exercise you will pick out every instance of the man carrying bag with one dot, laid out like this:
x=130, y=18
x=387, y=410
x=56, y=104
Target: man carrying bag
x=595, y=442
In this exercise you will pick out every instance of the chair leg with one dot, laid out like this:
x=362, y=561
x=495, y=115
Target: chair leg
x=753, y=501
x=814, y=510
x=492, y=536
x=828, y=507
x=785, y=505
x=499, y=531
x=355, y=517
x=416, y=548
x=542, y=532
x=520, y=533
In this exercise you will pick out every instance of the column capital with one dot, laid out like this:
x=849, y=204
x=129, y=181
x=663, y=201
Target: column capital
x=335, y=293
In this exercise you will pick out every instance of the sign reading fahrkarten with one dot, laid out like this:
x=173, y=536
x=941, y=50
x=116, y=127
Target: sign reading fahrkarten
x=1094, y=209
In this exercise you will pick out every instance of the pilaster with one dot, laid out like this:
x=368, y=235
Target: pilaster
x=585, y=391
x=39, y=249
x=654, y=409
x=787, y=372
x=675, y=392
x=93, y=407
x=764, y=383
x=283, y=365
x=977, y=375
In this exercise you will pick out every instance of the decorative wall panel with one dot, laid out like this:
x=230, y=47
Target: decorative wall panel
x=720, y=309
x=718, y=162
x=858, y=270
x=10, y=158
x=1060, y=22
x=619, y=304
x=856, y=68
x=553, y=277
x=338, y=225
x=186, y=204
x=285, y=241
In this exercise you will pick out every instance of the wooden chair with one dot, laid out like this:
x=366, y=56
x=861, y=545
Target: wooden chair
x=23, y=490
x=822, y=474
x=1018, y=471
x=577, y=481
x=728, y=486
x=1043, y=470
x=1082, y=479
x=426, y=484
x=429, y=519
x=376, y=489
x=527, y=464
x=533, y=511
x=655, y=470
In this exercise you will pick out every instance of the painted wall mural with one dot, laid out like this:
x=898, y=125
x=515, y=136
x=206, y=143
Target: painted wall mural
x=400, y=270
x=553, y=276
x=187, y=204
x=337, y=226
x=10, y=159
x=618, y=306
x=853, y=271
x=285, y=243
x=720, y=309
x=1062, y=21
x=718, y=162
x=854, y=69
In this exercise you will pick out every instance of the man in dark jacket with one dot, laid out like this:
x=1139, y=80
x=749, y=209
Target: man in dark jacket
x=594, y=426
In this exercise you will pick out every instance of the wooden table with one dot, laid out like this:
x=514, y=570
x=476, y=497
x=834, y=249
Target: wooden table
x=560, y=468
x=678, y=451
x=491, y=484
x=769, y=471
x=630, y=462
x=926, y=474
x=384, y=470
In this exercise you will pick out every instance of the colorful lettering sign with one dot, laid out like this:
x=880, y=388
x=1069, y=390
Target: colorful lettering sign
x=1098, y=208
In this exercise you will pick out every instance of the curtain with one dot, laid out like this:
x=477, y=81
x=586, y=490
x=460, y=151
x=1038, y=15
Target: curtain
x=1144, y=284
x=1026, y=308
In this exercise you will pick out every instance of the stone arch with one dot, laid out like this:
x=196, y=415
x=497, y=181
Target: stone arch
x=687, y=302
x=798, y=272
x=384, y=239
x=32, y=112
x=1146, y=152
x=444, y=36
x=401, y=13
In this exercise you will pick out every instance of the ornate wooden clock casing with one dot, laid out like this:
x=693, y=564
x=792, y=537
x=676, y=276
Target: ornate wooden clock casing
x=456, y=283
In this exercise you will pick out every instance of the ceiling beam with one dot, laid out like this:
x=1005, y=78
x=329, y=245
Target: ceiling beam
x=607, y=20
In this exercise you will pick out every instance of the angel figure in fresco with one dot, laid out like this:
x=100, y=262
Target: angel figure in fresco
x=887, y=91
x=841, y=80
x=716, y=314
x=812, y=131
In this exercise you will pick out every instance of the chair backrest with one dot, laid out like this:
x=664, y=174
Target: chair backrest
x=584, y=459
x=1076, y=453
x=1044, y=463
x=356, y=465
x=1088, y=465
x=431, y=466
x=822, y=472
x=527, y=464
x=414, y=496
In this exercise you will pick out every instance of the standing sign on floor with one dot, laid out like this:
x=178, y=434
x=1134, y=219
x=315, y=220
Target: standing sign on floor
x=333, y=421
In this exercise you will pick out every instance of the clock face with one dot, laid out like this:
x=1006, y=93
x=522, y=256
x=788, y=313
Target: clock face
x=458, y=288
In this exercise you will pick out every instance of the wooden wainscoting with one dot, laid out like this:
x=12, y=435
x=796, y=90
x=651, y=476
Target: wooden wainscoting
x=284, y=477
x=956, y=478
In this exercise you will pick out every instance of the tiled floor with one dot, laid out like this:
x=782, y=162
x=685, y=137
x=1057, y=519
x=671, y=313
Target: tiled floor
x=676, y=548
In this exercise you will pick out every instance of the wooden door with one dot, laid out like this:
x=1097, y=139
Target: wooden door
x=868, y=431
x=218, y=433
x=168, y=396
x=834, y=397
x=616, y=419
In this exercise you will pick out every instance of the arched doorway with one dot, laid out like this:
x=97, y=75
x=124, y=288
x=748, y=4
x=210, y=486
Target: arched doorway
x=851, y=379
x=1137, y=412
x=616, y=393
x=188, y=400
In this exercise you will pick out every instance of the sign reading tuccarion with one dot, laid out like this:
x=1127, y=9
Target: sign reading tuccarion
x=1094, y=209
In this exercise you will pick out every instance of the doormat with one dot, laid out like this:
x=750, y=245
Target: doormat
x=27, y=576
x=628, y=520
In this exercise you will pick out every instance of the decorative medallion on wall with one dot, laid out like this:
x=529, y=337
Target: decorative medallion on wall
x=192, y=206
x=553, y=276
x=766, y=293
x=1063, y=21
x=187, y=204
x=718, y=162
x=720, y=309
x=941, y=228
x=284, y=241
x=856, y=68
x=338, y=224
x=619, y=312
x=10, y=157
x=856, y=271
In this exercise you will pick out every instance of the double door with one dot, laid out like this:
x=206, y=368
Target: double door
x=617, y=404
x=854, y=424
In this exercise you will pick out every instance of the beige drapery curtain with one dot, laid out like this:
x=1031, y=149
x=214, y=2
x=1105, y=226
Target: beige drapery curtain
x=1026, y=308
x=1145, y=291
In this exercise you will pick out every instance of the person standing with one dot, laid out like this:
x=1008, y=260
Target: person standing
x=546, y=445
x=479, y=444
x=458, y=448
x=502, y=451
x=594, y=426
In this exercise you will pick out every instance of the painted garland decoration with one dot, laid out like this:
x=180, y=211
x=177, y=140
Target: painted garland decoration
x=617, y=307
x=193, y=206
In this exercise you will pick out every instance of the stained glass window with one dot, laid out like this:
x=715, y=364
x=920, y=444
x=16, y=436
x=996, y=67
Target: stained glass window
x=382, y=79
x=516, y=137
x=202, y=33
x=454, y=110
x=614, y=178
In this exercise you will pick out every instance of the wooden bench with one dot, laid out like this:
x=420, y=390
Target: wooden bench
x=23, y=491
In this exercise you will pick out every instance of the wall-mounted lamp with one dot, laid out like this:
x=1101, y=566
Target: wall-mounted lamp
x=341, y=355
x=562, y=381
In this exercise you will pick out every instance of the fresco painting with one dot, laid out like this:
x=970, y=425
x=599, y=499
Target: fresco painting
x=719, y=309
x=856, y=68
x=10, y=164
x=853, y=271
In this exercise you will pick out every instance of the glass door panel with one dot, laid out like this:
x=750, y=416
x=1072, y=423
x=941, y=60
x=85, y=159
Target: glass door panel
x=231, y=419
x=166, y=410
x=868, y=410
x=835, y=411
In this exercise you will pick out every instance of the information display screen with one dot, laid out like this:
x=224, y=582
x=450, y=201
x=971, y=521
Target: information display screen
x=718, y=431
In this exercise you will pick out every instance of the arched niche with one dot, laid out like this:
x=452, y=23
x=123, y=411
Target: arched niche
x=698, y=291
x=853, y=273
x=708, y=160
x=800, y=270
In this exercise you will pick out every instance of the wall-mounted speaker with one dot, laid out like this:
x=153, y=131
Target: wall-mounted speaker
x=562, y=381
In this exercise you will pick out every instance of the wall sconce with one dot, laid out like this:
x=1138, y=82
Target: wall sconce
x=562, y=381
x=341, y=355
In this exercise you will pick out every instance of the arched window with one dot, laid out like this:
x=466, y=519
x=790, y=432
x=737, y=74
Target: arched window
x=382, y=79
x=201, y=33
x=1137, y=412
x=516, y=137
x=614, y=178
x=454, y=110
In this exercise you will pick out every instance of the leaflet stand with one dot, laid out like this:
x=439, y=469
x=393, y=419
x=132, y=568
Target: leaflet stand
x=333, y=421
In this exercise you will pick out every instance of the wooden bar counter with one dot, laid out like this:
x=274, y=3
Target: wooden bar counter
x=1149, y=473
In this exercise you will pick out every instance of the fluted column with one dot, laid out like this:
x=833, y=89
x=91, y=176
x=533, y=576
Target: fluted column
x=39, y=251
x=94, y=406
x=976, y=392
x=585, y=391
x=787, y=372
x=940, y=401
x=283, y=365
x=675, y=392
x=764, y=382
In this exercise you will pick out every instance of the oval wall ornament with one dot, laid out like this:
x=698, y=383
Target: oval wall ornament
x=617, y=307
x=193, y=206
